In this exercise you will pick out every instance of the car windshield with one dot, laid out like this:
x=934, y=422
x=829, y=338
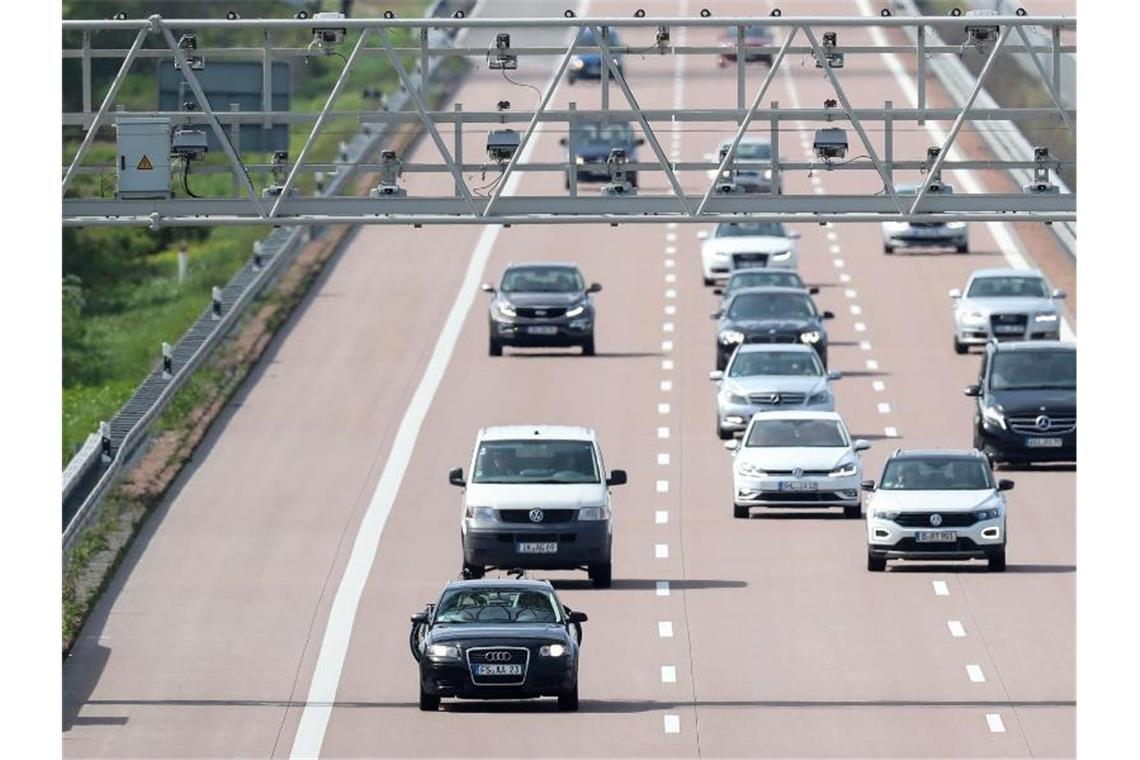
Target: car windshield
x=754, y=363
x=750, y=151
x=797, y=433
x=541, y=461
x=610, y=134
x=542, y=280
x=936, y=474
x=763, y=278
x=497, y=606
x=750, y=229
x=1008, y=287
x=771, y=306
x=1027, y=370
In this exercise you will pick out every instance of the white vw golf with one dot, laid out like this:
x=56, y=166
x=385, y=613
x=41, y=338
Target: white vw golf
x=796, y=459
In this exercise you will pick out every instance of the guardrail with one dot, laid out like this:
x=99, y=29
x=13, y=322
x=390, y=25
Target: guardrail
x=1003, y=138
x=105, y=453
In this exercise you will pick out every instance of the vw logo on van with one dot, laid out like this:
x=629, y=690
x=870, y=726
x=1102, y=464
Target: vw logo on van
x=797, y=472
x=536, y=515
x=936, y=519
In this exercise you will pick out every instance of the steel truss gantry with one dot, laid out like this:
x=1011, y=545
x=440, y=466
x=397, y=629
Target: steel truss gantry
x=465, y=206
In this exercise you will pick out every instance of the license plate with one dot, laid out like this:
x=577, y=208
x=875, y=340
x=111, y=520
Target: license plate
x=533, y=547
x=798, y=485
x=498, y=670
x=1008, y=329
x=1044, y=443
x=542, y=330
x=935, y=536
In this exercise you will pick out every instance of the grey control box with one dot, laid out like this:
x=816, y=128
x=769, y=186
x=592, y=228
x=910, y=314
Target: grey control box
x=143, y=164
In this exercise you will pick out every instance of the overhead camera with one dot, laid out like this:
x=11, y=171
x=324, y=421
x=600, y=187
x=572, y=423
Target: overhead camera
x=980, y=34
x=279, y=171
x=662, y=37
x=188, y=144
x=187, y=43
x=501, y=58
x=502, y=144
x=328, y=35
x=619, y=183
x=833, y=58
x=1041, y=182
x=830, y=143
x=391, y=167
x=935, y=179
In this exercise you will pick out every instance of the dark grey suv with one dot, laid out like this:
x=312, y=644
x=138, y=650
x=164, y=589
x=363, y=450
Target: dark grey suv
x=540, y=305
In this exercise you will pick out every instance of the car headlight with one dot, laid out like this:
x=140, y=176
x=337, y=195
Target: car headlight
x=577, y=64
x=480, y=513
x=749, y=470
x=988, y=514
x=736, y=398
x=729, y=337
x=579, y=160
x=885, y=514
x=819, y=398
x=592, y=514
x=1046, y=318
x=843, y=471
x=956, y=226
x=974, y=317
x=810, y=337
x=994, y=414
x=720, y=255
x=576, y=310
x=767, y=174
x=443, y=650
x=552, y=650
x=506, y=309
x=782, y=255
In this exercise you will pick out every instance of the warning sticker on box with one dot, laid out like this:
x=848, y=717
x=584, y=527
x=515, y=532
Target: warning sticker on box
x=144, y=164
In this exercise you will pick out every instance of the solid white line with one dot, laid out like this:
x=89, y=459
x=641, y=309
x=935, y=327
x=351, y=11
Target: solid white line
x=666, y=385
x=668, y=674
x=661, y=551
x=661, y=517
x=672, y=724
x=957, y=630
x=666, y=364
x=670, y=309
x=872, y=364
x=662, y=486
x=856, y=309
x=667, y=327
x=940, y=588
x=662, y=432
x=993, y=720
x=342, y=614
x=975, y=674
x=662, y=588
x=663, y=458
x=878, y=385
x=663, y=408
x=891, y=432
x=665, y=629
x=666, y=345
x=884, y=408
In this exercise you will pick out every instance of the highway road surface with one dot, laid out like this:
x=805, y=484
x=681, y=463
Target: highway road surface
x=265, y=610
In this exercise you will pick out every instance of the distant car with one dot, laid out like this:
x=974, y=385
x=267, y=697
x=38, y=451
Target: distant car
x=750, y=178
x=593, y=142
x=1005, y=304
x=762, y=278
x=765, y=377
x=753, y=35
x=746, y=245
x=588, y=65
x=796, y=459
x=542, y=304
x=923, y=234
x=497, y=639
x=769, y=315
x=936, y=505
x=537, y=498
x=1027, y=402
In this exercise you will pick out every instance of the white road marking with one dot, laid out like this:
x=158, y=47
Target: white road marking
x=663, y=408
x=832, y=236
x=670, y=309
x=670, y=250
x=860, y=327
x=665, y=629
x=671, y=225
x=818, y=190
x=671, y=236
x=662, y=588
x=668, y=674
x=666, y=345
x=662, y=486
x=661, y=517
x=884, y=407
x=833, y=250
x=670, y=263
x=666, y=364
x=670, y=293
x=850, y=293
x=844, y=277
x=662, y=432
x=865, y=345
x=666, y=385
x=957, y=630
x=663, y=458
x=872, y=364
x=838, y=263
x=856, y=309
x=940, y=588
x=993, y=720
x=878, y=385
x=661, y=551
x=891, y=432
x=815, y=180
x=672, y=724
x=670, y=277
x=975, y=674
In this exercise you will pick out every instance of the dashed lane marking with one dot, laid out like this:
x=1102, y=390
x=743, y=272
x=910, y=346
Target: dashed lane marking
x=662, y=432
x=838, y=263
x=856, y=309
x=884, y=407
x=860, y=327
x=872, y=364
x=668, y=674
x=940, y=588
x=670, y=293
x=662, y=486
x=661, y=517
x=957, y=630
x=670, y=277
x=833, y=250
x=665, y=629
x=891, y=432
x=667, y=327
x=663, y=458
x=662, y=588
x=993, y=720
x=865, y=345
x=666, y=364
x=666, y=345
x=844, y=277
x=663, y=408
x=975, y=674
x=670, y=309
x=666, y=385
x=661, y=551
x=672, y=724
x=850, y=293
x=878, y=385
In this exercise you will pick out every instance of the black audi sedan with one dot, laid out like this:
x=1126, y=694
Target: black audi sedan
x=542, y=305
x=769, y=315
x=497, y=639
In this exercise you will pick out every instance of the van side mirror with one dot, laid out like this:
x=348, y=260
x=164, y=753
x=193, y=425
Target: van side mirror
x=487, y=287
x=1058, y=293
x=867, y=485
x=455, y=477
x=595, y=287
x=973, y=391
x=1005, y=485
x=617, y=478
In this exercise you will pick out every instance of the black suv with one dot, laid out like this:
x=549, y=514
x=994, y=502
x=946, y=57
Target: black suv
x=540, y=305
x=497, y=639
x=1027, y=402
x=592, y=143
x=769, y=315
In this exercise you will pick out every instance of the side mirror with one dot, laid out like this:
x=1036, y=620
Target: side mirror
x=827, y=315
x=716, y=375
x=420, y=618
x=861, y=444
x=487, y=287
x=718, y=291
x=1058, y=293
x=455, y=477
x=973, y=391
x=595, y=287
x=794, y=235
x=955, y=292
x=867, y=485
x=813, y=290
x=835, y=375
x=563, y=141
x=732, y=445
x=1005, y=485
x=639, y=141
x=703, y=235
x=576, y=617
x=717, y=314
x=617, y=478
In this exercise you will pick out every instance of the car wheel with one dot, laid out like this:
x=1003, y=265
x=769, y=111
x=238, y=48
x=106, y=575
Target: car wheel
x=960, y=347
x=473, y=572
x=568, y=700
x=996, y=560
x=428, y=702
x=601, y=574
x=888, y=249
x=739, y=512
x=588, y=347
x=962, y=248
x=876, y=564
x=853, y=513
x=495, y=348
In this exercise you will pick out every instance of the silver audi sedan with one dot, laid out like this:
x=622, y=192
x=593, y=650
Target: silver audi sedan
x=1005, y=304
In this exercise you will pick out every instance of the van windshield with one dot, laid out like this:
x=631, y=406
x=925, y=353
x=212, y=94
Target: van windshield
x=1033, y=370
x=543, y=461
